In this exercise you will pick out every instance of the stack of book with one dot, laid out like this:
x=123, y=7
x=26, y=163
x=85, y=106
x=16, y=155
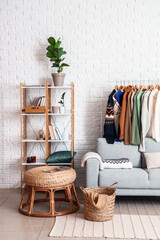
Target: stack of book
x=55, y=133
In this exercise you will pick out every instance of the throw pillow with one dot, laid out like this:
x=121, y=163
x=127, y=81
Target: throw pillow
x=152, y=160
x=61, y=157
x=117, y=163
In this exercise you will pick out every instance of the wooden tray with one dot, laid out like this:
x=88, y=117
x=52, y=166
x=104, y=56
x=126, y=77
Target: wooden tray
x=35, y=109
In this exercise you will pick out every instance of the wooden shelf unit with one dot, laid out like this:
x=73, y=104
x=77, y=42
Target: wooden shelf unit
x=48, y=115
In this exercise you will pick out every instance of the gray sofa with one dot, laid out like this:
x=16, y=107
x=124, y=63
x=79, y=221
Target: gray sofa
x=136, y=181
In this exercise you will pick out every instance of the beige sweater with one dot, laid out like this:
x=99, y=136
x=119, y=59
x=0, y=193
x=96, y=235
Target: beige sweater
x=152, y=105
x=145, y=119
x=156, y=120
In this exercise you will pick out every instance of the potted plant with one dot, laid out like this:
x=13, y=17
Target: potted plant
x=62, y=107
x=56, y=54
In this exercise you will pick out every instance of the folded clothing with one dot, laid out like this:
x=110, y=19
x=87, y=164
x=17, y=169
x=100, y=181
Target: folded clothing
x=117, y=163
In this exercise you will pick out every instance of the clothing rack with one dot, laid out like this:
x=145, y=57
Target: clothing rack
x=133, y=113
x=135, y=88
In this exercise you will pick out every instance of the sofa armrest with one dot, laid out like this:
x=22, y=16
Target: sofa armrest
x=92, y=172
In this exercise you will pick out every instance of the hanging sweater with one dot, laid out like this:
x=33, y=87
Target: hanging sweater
x=117, y=109
x=127, y=127
x=109, y=128
x=145, y=123
x=132, y=102
x=152, y=104
x=156, y=121
x=123, y=113
x=136, y=121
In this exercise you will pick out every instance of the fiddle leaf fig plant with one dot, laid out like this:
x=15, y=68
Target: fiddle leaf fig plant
x=56, y=54
x=62, y=99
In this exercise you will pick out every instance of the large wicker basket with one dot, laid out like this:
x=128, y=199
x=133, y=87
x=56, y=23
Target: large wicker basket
x=92, y=211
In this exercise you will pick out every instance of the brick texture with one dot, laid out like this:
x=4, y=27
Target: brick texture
x=107, y=43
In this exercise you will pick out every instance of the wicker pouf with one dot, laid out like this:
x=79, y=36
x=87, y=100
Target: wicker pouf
x=49, y=179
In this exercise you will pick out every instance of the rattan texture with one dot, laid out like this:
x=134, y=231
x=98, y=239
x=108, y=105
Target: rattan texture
x=99, y=215
x=36, y=177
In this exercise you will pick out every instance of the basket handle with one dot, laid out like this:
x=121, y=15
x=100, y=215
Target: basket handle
x=82, y=189
x=116, y=183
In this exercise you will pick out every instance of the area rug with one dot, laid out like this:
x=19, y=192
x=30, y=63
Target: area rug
x=139, y=225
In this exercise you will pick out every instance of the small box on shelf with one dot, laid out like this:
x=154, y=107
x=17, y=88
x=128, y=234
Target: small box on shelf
x=35, y=109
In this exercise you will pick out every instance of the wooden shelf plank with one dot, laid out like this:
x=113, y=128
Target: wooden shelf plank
x=33, y=114
x=59, y=141
x=32, y=140
x=39, y=141
x=34, y=87
x=60, y=87
x=59, y=114
x=43, y=164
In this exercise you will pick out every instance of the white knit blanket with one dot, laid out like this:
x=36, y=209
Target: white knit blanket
x=92, y=155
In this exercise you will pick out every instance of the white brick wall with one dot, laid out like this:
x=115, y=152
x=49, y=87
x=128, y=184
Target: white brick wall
x=108, y=42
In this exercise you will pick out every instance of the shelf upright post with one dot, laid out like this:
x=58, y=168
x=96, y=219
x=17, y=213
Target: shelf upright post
x=47, y=118
x=25, y=126
x=72, y=121
x=21, y=124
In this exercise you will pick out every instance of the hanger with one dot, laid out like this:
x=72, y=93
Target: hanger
x=123, y=88
x=135, y=87
x=116, y=87
x=143, y=87
x=140, y=87
x=151, y=87
x=157, y=86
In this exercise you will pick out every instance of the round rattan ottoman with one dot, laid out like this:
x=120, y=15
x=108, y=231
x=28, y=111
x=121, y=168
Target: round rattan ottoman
x=49, y=179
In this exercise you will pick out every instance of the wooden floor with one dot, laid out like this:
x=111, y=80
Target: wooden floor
x=144, y=212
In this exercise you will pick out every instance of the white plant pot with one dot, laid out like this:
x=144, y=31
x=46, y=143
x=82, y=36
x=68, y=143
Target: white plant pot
x=62, y=109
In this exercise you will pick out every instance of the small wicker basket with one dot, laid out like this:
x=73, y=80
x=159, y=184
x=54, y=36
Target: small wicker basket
x=104, y=211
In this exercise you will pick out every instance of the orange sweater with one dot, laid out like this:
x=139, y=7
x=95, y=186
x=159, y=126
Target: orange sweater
x=123, y=112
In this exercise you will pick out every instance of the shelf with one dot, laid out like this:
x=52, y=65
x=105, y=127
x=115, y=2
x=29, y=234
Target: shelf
x=30, y=86
x=60, y=87
x=33, y=114
x=32, y=164
x=59, y=114
x=58, y=141
x=33, y=140
x=43, y=164
x=43, y=114
x=39, y=141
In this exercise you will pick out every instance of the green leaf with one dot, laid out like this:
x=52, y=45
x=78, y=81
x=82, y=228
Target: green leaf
x=49, y=54
x=50, y=48
x=55, y=65
x=60, y=102
x=58, y=43
x=63, y=95
x=52, y=41
x=60, y=70
x=53, y=59
x=64, y=65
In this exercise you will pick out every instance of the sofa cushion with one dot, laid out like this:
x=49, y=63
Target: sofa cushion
x=126, y=178
x=154, y=178
x=150, y=146
x=152, y=160
x=119, y=150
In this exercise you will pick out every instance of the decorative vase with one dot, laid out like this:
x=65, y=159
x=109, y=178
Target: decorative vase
x=62, y=109
x=58, y=79
x=55, y=109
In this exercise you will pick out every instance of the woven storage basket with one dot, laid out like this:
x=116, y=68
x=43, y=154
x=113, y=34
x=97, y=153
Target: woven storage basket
x=94, y=213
